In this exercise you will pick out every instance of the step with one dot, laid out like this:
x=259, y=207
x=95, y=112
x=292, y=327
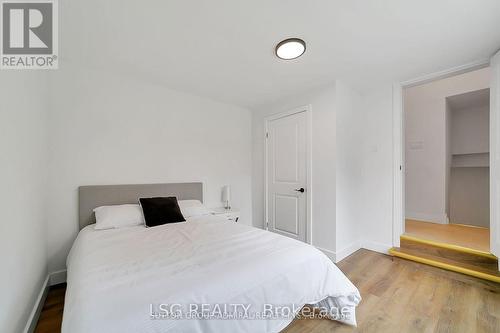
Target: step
x=447, y=264
x=472, y=257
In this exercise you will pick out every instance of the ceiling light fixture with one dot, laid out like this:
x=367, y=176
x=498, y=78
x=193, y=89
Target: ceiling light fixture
x=290, y=48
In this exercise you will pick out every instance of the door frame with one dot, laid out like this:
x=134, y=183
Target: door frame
x=398, y=151
x=308, y=110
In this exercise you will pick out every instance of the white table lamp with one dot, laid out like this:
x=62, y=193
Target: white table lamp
x=226, y=196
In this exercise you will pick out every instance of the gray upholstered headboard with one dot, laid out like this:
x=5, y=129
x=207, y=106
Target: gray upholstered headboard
x=90, y=197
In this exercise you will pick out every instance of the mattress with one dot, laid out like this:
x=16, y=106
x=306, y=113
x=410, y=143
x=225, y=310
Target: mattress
x=203, y=275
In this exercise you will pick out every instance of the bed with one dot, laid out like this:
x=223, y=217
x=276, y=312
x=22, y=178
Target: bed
x=203, y=275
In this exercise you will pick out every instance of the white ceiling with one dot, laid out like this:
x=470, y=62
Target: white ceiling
x=223, y=49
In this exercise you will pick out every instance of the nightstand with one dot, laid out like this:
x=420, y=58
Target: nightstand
x=230, y=214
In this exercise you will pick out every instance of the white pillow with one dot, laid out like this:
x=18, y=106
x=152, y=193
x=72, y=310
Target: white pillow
x=190, y=208
x=118, y=216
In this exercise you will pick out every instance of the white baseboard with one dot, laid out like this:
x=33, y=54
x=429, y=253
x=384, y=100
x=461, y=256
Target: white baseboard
x=347, y=251
x=37, y=308
x=375, y=246
x=57, y=277
x=51, y=280
x=330, y=254
x=424, y=217
x=339, y=255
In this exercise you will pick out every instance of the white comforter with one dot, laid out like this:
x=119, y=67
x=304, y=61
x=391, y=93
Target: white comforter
x=120, y=279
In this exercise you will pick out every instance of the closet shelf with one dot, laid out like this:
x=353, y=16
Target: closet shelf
x=473, y=160
x=471, y=153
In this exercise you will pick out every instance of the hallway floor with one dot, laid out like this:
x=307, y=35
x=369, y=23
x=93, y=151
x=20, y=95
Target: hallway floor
x=476, y=238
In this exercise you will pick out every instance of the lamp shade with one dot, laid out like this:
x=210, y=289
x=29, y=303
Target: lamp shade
x=226, y=193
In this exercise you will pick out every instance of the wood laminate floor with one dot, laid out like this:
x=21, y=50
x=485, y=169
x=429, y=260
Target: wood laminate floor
x=51, y=316
x=398, y=296
x=476, y=238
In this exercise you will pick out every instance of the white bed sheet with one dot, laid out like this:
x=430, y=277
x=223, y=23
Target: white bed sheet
x=117, y=277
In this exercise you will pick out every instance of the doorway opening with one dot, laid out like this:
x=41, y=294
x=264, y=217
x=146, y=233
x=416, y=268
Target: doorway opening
x=444, y=130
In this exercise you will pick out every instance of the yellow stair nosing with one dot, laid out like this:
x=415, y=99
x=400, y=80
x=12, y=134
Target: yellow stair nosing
x=454, y=268
x=457, y=248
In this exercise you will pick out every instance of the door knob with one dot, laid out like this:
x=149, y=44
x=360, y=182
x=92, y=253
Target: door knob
x=301, y=190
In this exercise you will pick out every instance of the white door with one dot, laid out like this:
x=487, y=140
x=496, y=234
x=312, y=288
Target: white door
x=495, y=155
x=286, y=171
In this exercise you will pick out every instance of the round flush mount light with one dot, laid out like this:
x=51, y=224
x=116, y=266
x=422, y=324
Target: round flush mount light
x=290, y=48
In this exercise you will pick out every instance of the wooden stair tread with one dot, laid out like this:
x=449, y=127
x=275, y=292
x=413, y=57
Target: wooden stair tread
x=461, y=255
x=453, y=265
x=452, y=247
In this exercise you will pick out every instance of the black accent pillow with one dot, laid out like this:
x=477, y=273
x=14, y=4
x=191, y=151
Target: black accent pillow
x=161, y=210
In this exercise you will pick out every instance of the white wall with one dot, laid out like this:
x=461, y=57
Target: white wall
x=23, y=231
x=335, y=169
x=348, y=170
x=448, y=158
x=425, y=143
x=109, y=129
x=470, y=130
x=470, y=196
x=376, y=154
x=469, y=190
x=376, y=201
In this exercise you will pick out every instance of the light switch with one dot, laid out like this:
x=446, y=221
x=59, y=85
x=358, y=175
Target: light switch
x=416, y=145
